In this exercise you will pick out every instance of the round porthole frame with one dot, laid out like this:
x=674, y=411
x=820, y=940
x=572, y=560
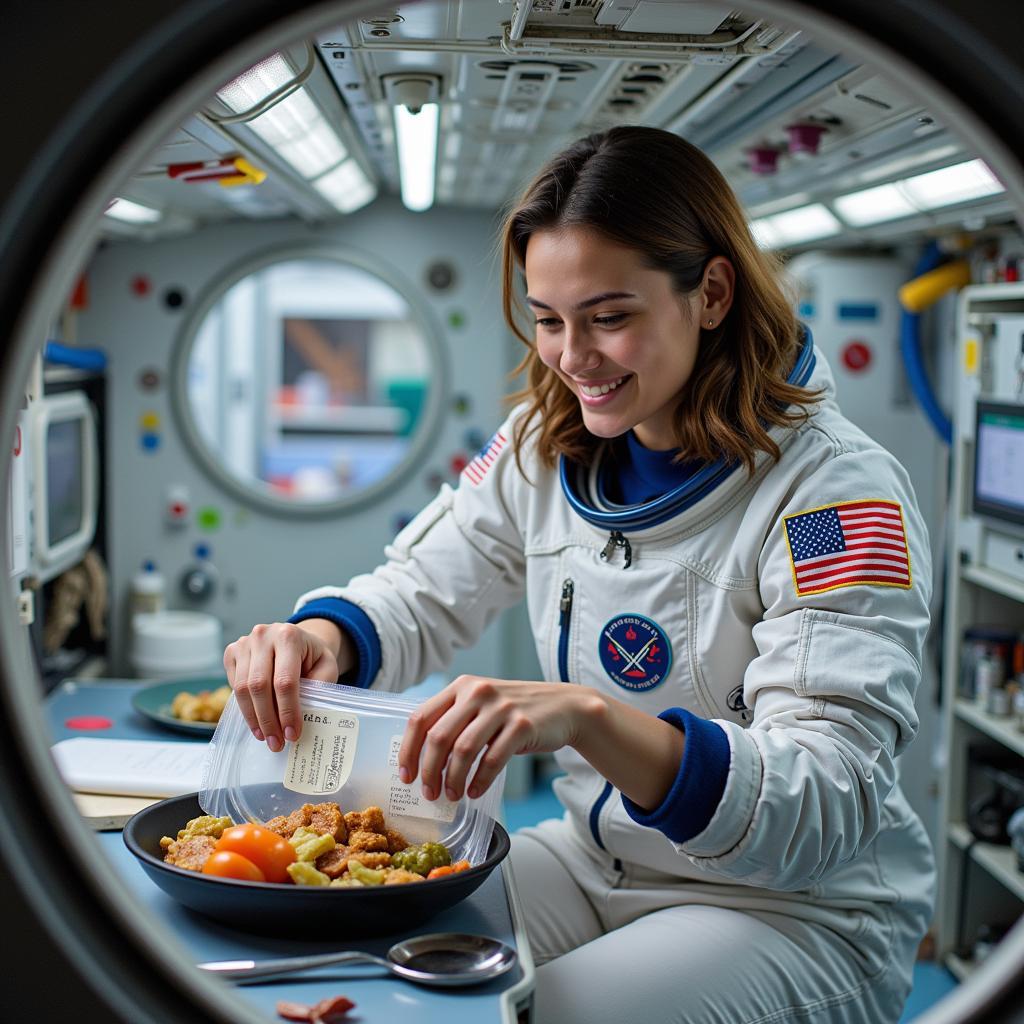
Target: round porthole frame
x=423, y=434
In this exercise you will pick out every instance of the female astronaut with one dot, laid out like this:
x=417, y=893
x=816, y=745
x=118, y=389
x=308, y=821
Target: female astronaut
x=728, y=586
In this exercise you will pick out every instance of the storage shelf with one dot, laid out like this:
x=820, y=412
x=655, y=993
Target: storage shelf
x=994, y=580
x=998, y=861
x=1000, y=729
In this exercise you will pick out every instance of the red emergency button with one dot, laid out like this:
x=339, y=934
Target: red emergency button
x=856, y=356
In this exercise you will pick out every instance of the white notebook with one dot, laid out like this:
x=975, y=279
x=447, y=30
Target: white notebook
x=130, y=767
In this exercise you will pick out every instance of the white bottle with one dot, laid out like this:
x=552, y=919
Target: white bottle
x=147, y=593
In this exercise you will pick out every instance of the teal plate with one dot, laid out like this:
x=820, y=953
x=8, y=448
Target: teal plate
x=154, y=702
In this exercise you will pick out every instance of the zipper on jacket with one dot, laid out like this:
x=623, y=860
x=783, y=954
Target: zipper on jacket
x=618, y=540
x=564, y=617
x=564, y=621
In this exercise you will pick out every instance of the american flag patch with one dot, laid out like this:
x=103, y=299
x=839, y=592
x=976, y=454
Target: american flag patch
x=845, y=545
x=477, y=468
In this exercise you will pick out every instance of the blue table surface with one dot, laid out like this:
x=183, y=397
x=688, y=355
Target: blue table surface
x=378, y=996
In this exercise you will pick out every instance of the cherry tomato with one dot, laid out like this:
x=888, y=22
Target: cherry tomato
x=267, y=850
x=225, y=864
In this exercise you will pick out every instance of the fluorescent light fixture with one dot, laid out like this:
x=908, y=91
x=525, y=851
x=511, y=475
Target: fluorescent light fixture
x=256, y=84
x=416, y=136
x=893, y=167
x=945, y=187
x=133, y=213
x=346, y=187
x=956, y=184
x=873, y=205
x=294, y=126
x=803, y=224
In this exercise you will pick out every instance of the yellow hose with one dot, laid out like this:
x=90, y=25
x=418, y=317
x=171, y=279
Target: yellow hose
x=920, y=293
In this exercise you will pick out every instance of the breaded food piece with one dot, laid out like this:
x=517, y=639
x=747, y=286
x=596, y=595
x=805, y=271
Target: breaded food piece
x=369, y=819
x=334, y=862
x=205, y=706
x=327, y=819
x=286, y=826
x=369, y=841
x=399, y=876
x=190, y=854
x=373, y=859
x=396, y=841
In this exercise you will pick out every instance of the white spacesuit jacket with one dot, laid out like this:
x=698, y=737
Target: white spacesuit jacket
x=742, y=608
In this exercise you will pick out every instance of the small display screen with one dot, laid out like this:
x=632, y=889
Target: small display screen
x=999, y=461
x=65, y=493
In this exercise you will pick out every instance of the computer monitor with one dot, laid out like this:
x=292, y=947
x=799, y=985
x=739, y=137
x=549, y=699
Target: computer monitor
x=65, y=489
x=999, y=461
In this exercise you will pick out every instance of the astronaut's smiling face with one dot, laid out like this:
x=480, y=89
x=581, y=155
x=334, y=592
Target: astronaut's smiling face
x=614, y=330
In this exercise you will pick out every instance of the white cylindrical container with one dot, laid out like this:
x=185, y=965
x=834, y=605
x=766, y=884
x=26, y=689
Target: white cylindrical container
x=988, y=674
x=147, y=590
x=998, y=702
x=168, y=645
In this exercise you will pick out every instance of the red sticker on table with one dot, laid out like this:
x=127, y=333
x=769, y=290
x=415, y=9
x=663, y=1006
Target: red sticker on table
x=856, y=356
x=89, y=722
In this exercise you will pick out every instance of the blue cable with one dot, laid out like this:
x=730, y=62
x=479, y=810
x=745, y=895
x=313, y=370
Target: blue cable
x=80, y=358
x=910, y=349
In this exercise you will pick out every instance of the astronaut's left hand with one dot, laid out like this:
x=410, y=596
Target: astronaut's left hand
x=497, y=716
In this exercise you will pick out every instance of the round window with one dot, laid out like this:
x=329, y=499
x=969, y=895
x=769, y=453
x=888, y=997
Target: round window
x=307, y=383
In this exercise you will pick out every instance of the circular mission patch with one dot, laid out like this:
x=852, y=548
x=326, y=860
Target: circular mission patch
x=635, y=652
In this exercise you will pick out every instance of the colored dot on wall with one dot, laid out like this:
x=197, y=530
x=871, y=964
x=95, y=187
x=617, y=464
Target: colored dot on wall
x=461, y=405
x=208, y=518
x=458, y=463
x=149, y=420
x=140, y=285
x=150, y=442
x=149, y=379
x=202, y=551
x=174, y=298
x=456, y=319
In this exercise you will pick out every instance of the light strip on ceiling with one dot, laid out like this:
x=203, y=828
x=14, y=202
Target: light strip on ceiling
x=947, y=186
x=132, y=213
x=802, y=224
x=346, y=187
x=873, y=205
x=416, y=137
x=297, y=129
x=294, y=126
x=956, y=184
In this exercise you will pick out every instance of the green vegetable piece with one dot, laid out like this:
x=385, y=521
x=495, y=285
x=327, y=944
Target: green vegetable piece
x=367, y=876
x=303, y=873
x=423, y=858
x=309, y=844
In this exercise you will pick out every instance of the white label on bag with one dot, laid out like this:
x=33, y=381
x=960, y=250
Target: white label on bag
x=320, y=760
x=407, y=798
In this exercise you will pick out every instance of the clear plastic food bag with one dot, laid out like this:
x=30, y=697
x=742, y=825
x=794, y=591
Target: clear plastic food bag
x=347, y=753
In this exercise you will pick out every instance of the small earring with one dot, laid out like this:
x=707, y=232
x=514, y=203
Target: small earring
x=711, y=323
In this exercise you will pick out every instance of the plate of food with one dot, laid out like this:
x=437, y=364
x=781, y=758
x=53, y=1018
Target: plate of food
x=335, y=874
x=185, y=705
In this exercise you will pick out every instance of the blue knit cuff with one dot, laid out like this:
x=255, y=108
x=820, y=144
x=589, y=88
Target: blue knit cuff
x=699, y=784
x=356, y=623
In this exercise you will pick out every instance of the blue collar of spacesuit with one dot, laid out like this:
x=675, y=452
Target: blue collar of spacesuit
x=688, y=493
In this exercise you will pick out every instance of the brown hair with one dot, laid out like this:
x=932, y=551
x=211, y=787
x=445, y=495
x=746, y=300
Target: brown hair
x=654, y=192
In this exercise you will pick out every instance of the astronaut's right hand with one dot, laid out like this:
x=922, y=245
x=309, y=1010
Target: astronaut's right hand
x=264, y=668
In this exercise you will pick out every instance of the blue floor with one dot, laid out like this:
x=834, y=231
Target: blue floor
x=931, y=981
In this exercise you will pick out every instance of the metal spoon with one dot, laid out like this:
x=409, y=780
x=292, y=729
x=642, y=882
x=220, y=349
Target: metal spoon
x=445, y=958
